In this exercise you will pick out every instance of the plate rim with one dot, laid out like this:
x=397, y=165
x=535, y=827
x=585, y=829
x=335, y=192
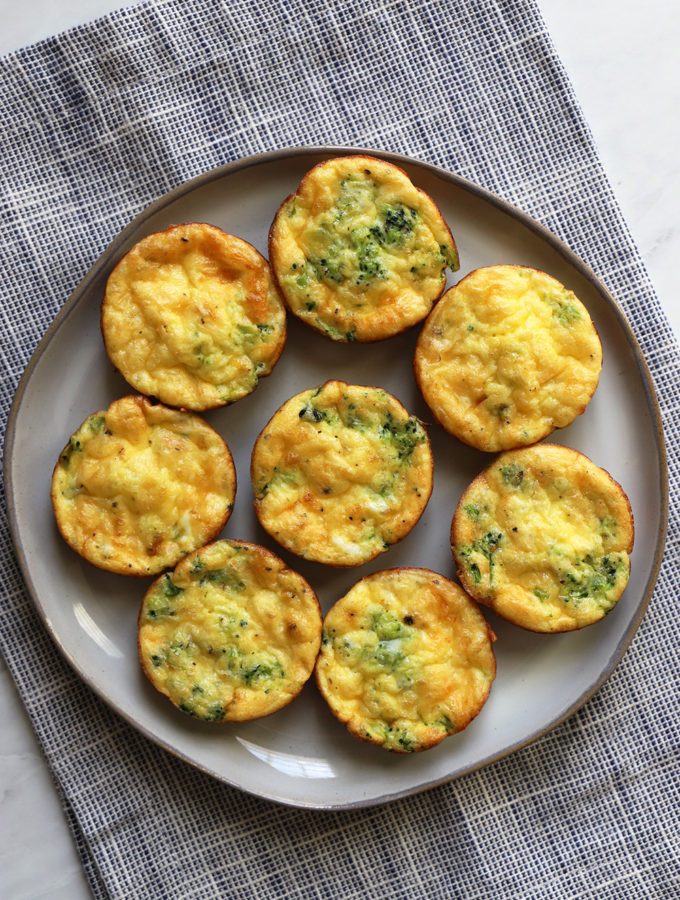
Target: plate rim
x=569, y=255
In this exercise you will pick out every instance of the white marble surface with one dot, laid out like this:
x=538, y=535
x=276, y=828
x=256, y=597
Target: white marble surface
x=623, y=62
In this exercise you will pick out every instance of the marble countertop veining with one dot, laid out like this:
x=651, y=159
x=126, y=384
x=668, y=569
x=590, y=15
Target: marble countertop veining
x=623, y=64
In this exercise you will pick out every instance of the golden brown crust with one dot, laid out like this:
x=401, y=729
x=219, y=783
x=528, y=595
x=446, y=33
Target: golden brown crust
x=543, y=537
x=406, y=659
x=231, y=635
x=506, y=356
x=192, y=315
x=340, y=473
x=139, y=485
x=360, y=253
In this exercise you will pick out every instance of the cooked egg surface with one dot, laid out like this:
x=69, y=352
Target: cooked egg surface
x=507, y=355
x=543, y=537
x=358, y=251
x=232, y=634
x=340, y=473
x=140, y=485
x=192, y=316
x=406, y=659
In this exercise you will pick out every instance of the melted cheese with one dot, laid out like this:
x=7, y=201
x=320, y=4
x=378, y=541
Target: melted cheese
x=231, y=634
x=340, y=473
x=507, y=356
x=406, y=659
x=192, y=316
x=543, y=536
x=139, y=485
x=358, y=251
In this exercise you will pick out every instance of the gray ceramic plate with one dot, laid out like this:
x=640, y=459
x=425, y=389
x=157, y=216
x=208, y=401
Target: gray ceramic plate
x=301, y=755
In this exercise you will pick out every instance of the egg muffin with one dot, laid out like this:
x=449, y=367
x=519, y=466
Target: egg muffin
x=359, y=252
x=507, y=355
x=340, y=473
x=192, y=316
x=543, y=537
x=231, y=634
x=406, y=659
x=140, y=485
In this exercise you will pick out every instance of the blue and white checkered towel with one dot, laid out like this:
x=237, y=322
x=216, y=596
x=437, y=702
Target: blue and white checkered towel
x=99, y=122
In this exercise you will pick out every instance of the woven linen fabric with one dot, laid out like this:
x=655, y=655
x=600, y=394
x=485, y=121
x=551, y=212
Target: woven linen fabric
x=101, y=121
